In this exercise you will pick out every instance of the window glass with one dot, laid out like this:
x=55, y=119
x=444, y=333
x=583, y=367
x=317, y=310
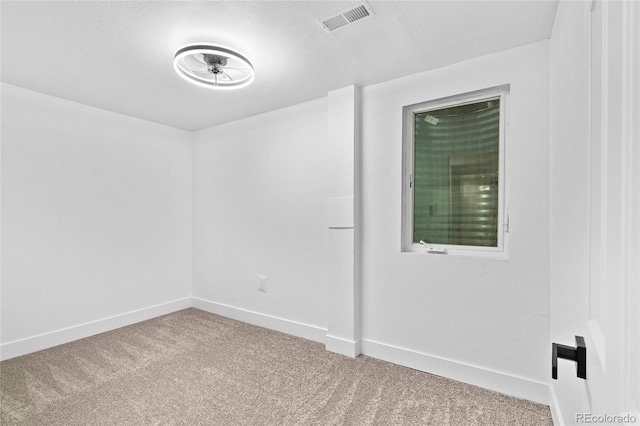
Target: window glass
x=456, y=174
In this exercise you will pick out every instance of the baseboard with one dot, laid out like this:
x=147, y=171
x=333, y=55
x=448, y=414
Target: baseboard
x=342, y=346
x=488, y=379
x=477, y=376
x=306, y=331
x=556, y=414
x=47, y=340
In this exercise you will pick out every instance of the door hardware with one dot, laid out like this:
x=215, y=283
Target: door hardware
x=577, y=354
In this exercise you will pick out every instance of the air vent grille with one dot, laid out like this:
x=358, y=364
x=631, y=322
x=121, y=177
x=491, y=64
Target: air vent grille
x=359, y=12
x=346, y=17
x=334, y=23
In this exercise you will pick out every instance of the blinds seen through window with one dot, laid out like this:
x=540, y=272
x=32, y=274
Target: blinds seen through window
x=456, y=172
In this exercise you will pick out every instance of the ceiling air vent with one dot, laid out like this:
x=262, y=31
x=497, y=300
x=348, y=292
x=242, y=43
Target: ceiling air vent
x=346, y=17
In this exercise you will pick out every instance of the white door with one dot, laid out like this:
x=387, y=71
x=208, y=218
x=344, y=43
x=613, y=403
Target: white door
x=612, y=323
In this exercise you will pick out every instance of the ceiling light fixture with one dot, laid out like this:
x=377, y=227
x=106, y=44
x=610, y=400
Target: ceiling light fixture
x=213, y=66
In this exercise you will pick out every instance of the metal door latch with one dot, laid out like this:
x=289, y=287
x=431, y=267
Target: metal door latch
x=577, y=354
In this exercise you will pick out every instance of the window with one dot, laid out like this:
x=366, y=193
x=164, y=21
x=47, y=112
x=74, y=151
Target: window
x=453, y=183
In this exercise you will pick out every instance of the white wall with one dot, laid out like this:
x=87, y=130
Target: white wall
x=101, y=204
x=260, y=188
x=488, y=313
x=96, y=214
x=260, y=208
x=569, y=64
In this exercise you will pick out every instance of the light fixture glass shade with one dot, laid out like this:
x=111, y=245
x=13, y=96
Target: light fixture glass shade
x=213, y=66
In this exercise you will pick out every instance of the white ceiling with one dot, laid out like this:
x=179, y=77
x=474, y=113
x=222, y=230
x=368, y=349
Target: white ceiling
x=117, y=55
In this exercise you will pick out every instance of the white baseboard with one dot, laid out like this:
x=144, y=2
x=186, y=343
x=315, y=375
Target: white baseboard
x=342, y=346
x=556, y=414
x=477, y=376
x=306, y=331
x=493, y=380
x=47, y=340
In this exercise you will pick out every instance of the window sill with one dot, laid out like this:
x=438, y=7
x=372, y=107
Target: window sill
x=497, y=254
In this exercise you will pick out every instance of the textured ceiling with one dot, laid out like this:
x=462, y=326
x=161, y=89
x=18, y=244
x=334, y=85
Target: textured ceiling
x=117, y=55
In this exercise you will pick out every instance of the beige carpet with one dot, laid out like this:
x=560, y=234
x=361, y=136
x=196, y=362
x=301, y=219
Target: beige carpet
x=196, y=368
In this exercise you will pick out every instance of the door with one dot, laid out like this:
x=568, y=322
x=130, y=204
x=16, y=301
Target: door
x=611, y=323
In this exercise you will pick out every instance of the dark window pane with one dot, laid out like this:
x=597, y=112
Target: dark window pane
x=455, y=191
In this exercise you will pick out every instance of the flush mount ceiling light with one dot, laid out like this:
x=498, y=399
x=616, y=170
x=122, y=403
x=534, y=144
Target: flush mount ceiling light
x=213, y=66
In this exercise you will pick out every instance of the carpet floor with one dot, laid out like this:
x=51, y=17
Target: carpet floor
x=195, y=368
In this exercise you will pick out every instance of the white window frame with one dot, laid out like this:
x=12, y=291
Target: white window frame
x=408, y=142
